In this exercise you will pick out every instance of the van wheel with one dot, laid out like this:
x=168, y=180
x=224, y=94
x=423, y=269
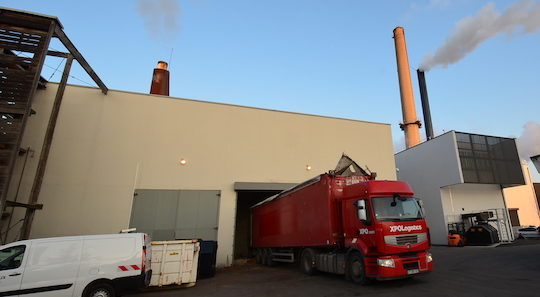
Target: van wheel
x=307, y=262
x=100, y=290
x=357, y=270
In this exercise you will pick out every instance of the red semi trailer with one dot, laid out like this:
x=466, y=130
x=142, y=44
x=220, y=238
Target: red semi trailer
x=351, y=225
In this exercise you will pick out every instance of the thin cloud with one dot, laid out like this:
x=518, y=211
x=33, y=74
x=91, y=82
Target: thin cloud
x=529, y=142
x=161, y=17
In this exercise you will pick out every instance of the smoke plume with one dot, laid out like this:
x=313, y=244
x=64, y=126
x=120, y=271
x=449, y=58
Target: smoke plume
x=160, y=17
x=529, y=142
x=522, y=17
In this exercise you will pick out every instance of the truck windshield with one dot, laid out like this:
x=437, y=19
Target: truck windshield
x=396, y=209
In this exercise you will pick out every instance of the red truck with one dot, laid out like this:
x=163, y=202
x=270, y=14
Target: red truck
x=352, y=225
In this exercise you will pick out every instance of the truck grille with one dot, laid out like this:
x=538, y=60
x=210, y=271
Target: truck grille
x=405, y=239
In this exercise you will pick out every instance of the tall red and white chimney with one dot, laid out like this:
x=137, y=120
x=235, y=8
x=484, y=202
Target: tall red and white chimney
x=160, y=80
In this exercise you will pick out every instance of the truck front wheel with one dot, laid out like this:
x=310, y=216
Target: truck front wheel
x=307, y=262
x=357, y=270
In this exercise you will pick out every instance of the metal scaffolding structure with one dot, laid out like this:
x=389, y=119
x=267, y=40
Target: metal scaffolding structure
x=24, y=44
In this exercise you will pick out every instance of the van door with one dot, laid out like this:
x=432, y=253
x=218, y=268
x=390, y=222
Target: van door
x=11, y=269
x=52, y=268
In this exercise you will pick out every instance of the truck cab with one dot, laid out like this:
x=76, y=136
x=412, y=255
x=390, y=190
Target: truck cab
x=383, y=223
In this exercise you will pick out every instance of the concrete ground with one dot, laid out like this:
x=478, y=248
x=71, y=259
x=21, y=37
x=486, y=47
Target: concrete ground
x=512, y=270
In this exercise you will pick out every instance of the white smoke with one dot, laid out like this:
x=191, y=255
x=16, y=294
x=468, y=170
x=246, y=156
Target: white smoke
x=522, y=17
x=529, y=142
x=161, y=17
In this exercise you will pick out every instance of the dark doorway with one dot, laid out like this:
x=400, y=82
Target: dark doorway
x=242, y=232
x=514, y=217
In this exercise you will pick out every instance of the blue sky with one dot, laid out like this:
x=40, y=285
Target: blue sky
x=332, y=58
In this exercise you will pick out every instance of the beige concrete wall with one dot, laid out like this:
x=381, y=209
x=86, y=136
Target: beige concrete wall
x=524, y=199
x=105, y=146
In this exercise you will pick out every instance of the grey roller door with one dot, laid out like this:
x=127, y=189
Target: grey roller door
x=176, y=214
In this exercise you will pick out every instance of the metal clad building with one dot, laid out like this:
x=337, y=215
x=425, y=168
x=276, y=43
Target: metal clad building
x=460, y=173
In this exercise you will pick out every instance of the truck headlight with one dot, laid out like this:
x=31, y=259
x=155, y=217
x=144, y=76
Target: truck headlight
x=386, y=263
x=429, y=257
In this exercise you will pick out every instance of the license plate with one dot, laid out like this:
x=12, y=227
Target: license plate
x=413, y=271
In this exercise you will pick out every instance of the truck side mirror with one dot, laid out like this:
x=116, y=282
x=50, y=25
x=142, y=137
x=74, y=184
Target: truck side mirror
x=362, y=213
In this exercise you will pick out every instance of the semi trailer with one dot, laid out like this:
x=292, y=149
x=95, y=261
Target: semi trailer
x=356, y=226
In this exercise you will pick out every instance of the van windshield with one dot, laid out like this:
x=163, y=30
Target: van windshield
x=395, y=209
x=11, y=258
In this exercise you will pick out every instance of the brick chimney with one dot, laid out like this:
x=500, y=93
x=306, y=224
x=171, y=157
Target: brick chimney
x=160, y=80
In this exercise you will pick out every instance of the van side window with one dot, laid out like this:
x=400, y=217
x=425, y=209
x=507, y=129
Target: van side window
x=11, y=258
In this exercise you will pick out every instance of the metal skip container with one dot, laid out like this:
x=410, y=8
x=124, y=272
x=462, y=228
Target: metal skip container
x=174, y=262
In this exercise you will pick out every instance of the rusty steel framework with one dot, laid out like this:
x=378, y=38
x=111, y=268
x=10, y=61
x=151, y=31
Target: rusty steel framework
x=24, y=44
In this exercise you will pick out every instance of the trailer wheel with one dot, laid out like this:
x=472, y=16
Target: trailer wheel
x=267, y=257
x=357, y=270
x=100, y=289
x=307, y=262
x=258, y=256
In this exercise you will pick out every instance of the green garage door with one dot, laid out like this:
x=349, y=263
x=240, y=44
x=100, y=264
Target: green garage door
x=176, y=214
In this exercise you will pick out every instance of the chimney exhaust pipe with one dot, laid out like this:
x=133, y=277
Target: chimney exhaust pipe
x=425, y=104
x=160, y=79
x=410, y=124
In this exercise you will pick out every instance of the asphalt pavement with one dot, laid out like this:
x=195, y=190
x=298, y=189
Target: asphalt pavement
x=512, y=270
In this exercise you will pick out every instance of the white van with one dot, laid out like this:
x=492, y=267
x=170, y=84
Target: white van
x=82, y=266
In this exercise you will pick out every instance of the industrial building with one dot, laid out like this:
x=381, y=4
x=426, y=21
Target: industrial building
x=179, y=168
x=83, y=160
x=521, y=201
x=172, y=167
x=460, y=173
x=461, y=177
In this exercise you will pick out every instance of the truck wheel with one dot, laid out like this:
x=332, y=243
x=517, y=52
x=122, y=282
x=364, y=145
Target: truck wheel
x=258, y=256
x=100, y=290
x=267, y=258
x=357, y=270
x=307, y=262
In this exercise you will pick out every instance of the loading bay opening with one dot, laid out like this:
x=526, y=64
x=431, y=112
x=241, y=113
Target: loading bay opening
x=249, y=194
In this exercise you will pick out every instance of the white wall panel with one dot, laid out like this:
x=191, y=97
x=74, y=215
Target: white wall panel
x=428, y=167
